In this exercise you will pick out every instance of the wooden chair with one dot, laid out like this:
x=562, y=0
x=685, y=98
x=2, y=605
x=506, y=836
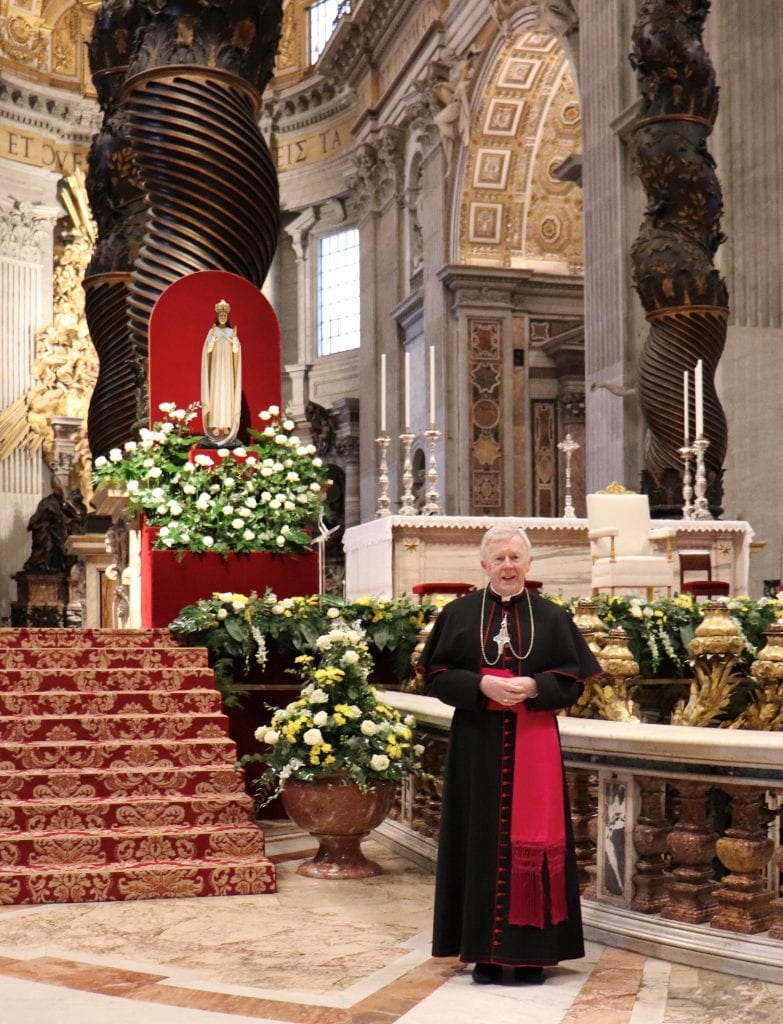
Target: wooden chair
x=700, y=562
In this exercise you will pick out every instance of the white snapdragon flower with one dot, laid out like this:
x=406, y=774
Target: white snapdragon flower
x=320, y=718
x=368, y=728
x=312, y=736
x=166, y=406
x=166, y=428
x=379, y=762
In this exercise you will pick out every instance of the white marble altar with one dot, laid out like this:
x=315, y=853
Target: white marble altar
x=386, y=557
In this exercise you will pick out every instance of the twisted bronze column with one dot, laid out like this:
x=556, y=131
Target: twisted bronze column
x=119, y=209
x=683, y=294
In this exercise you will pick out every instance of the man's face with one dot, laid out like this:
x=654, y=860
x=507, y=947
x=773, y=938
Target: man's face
x=506, y=564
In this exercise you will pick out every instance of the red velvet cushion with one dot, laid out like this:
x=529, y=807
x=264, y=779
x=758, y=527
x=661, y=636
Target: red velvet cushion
x=442, y=588
x=707, y=588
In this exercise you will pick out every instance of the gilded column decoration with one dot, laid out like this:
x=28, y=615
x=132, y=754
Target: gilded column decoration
x=485, y=359
x=684, y=296
x=118, y=406
x=213, y=201
x=65, y=366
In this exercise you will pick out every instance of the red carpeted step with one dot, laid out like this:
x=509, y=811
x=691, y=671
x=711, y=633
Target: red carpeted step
x=100, y=783
x=117, y=775
x=98, y=847
x=235, y=876
x=92, y=680
x=134, y=812
x=117, y=754
x=31, y=637
x=58, y=658
x=65, y=728
x=116, y=702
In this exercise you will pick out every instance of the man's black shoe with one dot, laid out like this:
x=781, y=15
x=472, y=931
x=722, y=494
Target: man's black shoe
x=529, y=975
x=488, y=974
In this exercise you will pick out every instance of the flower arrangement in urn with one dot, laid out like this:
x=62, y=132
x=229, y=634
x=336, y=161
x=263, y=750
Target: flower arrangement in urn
x=337, y=751
x=254, y=498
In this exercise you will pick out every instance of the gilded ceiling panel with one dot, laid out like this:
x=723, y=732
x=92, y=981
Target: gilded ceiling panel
x=514, y=211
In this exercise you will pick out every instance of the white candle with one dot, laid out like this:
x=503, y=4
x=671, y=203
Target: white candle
x=407, y=391
x=432, y=386
x=686, y=409
x=383, y=392
x=699, y=396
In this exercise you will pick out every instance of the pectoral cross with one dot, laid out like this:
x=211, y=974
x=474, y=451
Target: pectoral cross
x=502, y=638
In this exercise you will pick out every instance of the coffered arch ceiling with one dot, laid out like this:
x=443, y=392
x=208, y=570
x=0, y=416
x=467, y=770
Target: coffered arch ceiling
x=513, y=211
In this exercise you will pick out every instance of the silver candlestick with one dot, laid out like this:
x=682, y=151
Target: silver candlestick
x=383, y=476
x=432, y=508
x=686, y=454
x=407, y=502
x=701, y=508
x=569, y=446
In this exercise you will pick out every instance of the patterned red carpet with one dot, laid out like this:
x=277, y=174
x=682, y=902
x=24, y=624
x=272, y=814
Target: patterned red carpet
x=117, y=777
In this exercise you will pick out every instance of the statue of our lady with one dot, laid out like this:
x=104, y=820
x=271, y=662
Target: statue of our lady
x=221, y=379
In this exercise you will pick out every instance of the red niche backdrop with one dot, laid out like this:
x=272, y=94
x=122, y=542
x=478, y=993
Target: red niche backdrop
x=179, y=324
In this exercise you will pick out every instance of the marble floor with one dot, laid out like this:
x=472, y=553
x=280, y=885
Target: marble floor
x=322, y=952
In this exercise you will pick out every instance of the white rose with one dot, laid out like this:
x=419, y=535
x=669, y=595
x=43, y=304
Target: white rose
x=274, y=410
x=277, y=609
x=289, y=506
x=115, y=455
x=264, y=415
x=333, y=613
x=203, y=460
x=157, y=492
x=350, y=658
x=223, y=452
x=162, y=510
x=313, y=736
x=222, y=613
x=188, y=468
x=130, y=446
x=100, y=461
x=368, y=728
x=281, y=439
x=166, y=406
x=185, y=538
x=289, y=424
x=164, y=530
x=287, y=602
x=238, y=523
x=228, y=510
x=226, y=596
x=320, y=718
x=238, y=605
x=318, y=462
x=248, y=535
x=166, y=428
x=251, y=502
x=271, y=736
x=410, y=721
x=292, y=476
x=318, y=697
x=418, y=749
x=155, y=472
x=175, y=508
x=240, y=452
x=132, y=485
x=315, y=488
x=208, y=541
x=189, y=489
x=379, y=762
x=280, y=541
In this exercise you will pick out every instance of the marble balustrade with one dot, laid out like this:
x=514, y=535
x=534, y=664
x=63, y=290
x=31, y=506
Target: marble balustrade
x=677, y=833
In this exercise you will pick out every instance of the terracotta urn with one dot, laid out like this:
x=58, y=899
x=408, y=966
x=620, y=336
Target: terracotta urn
x=339, y=815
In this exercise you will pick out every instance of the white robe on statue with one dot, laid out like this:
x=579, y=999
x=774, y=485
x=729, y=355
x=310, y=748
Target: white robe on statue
x=221, y=384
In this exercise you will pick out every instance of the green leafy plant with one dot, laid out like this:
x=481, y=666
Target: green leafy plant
x=337, y=725
x=261, y=497
x=241, y=630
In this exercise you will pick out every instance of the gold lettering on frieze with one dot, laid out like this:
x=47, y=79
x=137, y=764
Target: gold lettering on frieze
x=318, y=145
x=32, y=149
x=406, y=43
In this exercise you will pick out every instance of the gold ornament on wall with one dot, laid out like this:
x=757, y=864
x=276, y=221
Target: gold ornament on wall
x=65, y=366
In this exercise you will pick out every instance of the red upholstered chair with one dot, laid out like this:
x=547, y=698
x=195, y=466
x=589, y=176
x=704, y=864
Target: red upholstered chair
x=534, y=586
x=706, y=586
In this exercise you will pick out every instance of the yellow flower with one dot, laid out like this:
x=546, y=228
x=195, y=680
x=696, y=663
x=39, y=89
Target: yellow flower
x=339, y=719
x=393, y=750
x=303, y=659
x=329, y=760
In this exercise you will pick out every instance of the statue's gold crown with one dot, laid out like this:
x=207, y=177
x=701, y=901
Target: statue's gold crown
x=222, y=307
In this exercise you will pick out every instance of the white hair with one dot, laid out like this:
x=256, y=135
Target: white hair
x=503, y=531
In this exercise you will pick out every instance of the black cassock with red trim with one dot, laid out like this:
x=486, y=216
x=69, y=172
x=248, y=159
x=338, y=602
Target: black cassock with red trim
x=504, y=774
